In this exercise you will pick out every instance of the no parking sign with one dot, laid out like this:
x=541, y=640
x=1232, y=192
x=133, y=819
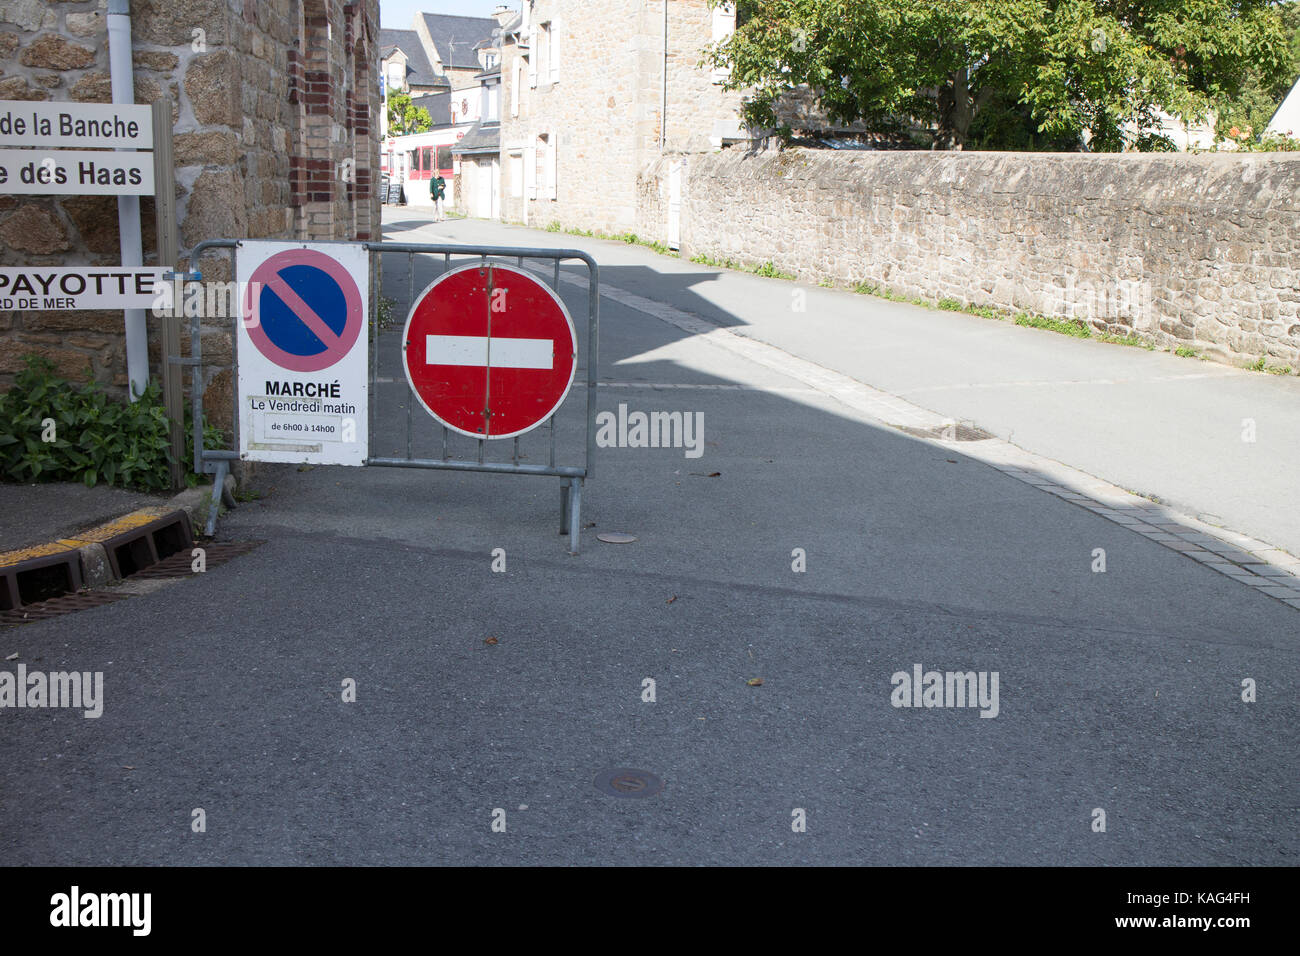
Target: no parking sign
x=303, y=352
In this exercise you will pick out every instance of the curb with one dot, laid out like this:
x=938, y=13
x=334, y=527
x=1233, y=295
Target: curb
x=107, y=553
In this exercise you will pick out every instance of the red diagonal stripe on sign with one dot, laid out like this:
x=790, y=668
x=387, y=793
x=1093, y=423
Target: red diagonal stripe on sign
x=304, y=312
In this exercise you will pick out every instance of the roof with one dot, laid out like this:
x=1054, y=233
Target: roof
x=419, y=71
x=456, y=38
x=480, y=139
x=438, y=105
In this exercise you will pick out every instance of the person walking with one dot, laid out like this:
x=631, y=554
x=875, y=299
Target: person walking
x=438, y=189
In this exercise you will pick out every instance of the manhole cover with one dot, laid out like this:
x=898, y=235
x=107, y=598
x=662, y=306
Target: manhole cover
x=949, y=432
x=616, y=537
x=626, y=782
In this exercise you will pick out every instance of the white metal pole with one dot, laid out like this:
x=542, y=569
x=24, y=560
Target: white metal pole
x=128, y=207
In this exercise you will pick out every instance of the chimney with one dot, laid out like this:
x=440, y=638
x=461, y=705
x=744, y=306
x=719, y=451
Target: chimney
x=502, y=14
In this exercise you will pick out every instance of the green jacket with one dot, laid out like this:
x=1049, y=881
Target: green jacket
x=438, y=187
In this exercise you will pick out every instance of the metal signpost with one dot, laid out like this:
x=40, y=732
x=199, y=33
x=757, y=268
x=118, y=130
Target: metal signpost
x=488, y=350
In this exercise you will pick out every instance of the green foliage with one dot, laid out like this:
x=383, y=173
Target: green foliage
x=95, y=437
x=404, y=116
x=554, y=226
x=1045, y=72
x=767, y=269
x=1186, y=352
x=1075, y=328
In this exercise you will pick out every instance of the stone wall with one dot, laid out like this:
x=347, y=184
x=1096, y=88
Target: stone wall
x=1200, y=251
x=604, y=111
x=272, y=140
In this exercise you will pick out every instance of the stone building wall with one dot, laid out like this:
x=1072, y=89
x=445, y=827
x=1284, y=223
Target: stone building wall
x=270, y=123
x=605, y=111
x=1201, y=251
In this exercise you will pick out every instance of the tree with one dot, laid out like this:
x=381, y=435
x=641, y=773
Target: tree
x=405, y=117
x=1102, y=66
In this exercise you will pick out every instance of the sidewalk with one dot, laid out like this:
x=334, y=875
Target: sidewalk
x=1163, y=427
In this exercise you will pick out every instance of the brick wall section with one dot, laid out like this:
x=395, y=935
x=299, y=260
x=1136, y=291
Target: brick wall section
x=248, y=165
x=1182, y=250
x=606, y=108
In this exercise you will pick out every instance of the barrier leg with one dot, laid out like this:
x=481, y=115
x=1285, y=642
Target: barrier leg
x=218, y=492
x=564, y=504
x=575, y=514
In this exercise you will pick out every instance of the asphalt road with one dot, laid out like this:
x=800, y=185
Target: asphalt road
x=1118, y=691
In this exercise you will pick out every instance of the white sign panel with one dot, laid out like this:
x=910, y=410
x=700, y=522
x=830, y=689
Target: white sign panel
x=56, y=289
x=303, y=352
x=75, y=172
x=82, y=125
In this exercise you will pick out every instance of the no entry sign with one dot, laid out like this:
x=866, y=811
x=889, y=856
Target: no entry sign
x=489, y=351
x=303, y=385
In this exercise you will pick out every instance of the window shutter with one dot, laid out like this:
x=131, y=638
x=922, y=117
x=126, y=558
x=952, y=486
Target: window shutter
x=724, y=25
x=555, y=50
x=530, y=172
x=552, y=166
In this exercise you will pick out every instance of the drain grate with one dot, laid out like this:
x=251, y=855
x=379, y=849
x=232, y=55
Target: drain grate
x=627, y=782
x=56, y=607
x=181, y=564
x=949, y=432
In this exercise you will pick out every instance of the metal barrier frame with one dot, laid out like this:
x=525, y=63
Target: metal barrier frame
x=216, y=462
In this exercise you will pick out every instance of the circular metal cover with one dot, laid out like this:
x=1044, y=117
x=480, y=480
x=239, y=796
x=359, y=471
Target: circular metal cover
x=616, y=537
x=627, y=782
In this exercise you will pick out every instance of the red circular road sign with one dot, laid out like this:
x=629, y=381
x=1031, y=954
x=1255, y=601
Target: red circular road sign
x=489, y=351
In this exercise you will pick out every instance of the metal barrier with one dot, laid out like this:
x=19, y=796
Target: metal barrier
x=216, y=462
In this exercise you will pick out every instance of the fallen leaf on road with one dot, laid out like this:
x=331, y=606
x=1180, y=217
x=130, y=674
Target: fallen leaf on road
x=672, y=599
x=951, y=461
x=712, y=474
x=755, y=682
x=12, y=657
x=491, y=640
x=125, y=767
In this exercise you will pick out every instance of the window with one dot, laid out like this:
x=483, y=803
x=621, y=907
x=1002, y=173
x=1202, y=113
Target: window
x=444, y=158
x=545, y=169
x=396, y=74
x=491, y=101
x=553, y=51
x=516, y=167
x=544, y=50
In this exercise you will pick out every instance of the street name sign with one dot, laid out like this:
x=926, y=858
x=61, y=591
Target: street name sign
x=83, y=125
x=59, y=289
x=76, y=172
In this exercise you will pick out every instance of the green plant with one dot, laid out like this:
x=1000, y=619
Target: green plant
x=1074, y=327
x=1184, y=352
x=554, y=226
x=55, y=430
x=951, y=305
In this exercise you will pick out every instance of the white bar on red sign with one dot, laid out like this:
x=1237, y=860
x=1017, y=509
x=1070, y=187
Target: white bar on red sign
x=473, y=350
